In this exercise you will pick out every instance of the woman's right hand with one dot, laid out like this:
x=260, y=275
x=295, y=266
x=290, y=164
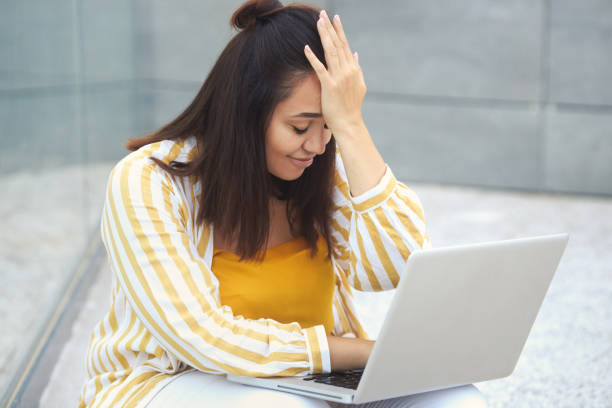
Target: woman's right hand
x=348, y=353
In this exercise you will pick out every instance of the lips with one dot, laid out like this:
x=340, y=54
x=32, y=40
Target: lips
x=302, y=162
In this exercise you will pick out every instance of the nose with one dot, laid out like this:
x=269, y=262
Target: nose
x=315, y=143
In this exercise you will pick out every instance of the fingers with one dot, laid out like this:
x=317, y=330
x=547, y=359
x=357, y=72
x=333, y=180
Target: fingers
x=332, y=57
x=317, y=65
x=341, y=36
x=335, y=46
x=335, y=39
x=340, y=44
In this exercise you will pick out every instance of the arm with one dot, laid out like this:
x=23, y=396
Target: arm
x=174, y=293
x=349, y=354
x=375, y=233
x=343, y=90
x=363, y=164
x=377, y=222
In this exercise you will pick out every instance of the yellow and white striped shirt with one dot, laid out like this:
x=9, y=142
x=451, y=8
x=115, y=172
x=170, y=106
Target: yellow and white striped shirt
x=165, y=314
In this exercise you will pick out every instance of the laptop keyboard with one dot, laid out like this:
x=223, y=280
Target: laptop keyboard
x=346, y=379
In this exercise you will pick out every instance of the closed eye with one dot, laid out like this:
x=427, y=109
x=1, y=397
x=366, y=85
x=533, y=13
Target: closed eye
x=302, y=131
x=299, y=131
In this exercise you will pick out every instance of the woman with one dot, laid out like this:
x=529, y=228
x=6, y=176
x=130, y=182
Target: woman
x=236, y=231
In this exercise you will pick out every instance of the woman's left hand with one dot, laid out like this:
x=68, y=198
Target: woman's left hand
x=342, y=84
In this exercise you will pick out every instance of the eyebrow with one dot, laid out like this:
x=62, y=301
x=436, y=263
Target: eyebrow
x=307, y=115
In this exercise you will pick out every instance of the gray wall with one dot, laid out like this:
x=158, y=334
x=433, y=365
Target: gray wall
x=65, y=82
x=494, y=93
x=489, y=93
x=480, y=92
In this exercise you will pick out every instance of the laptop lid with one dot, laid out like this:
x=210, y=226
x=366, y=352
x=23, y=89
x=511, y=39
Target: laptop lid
x=460, y=315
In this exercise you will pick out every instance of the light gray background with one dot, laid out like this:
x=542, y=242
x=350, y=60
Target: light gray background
x=480, y=92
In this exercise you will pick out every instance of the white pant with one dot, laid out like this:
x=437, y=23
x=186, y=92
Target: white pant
x=196, y=389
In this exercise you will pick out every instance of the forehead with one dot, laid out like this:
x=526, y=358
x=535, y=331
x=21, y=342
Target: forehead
x=305, y=97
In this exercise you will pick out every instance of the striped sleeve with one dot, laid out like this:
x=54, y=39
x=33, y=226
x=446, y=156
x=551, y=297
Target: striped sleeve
x=174, y=292
x=375, y=232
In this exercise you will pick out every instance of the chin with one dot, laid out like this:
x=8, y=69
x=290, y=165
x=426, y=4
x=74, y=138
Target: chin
x=290, y=176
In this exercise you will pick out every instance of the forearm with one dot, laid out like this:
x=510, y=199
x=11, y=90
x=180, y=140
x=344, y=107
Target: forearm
x=363, y=163
x=347, y=353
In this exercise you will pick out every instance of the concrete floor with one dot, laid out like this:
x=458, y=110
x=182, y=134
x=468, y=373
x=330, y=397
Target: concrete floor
x=46, y=220
x=567, y=360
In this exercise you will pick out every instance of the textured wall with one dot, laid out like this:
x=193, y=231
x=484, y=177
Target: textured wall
x=494, y=93
x=480, y=92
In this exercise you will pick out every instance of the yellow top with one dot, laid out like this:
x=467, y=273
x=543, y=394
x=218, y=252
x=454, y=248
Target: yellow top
x=287, y=286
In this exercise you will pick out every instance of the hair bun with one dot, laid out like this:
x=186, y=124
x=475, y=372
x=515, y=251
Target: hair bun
x=247, y=15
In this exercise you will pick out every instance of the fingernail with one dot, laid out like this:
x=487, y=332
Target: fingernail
x=307, y=48
x=337, y=17
x=323, y=13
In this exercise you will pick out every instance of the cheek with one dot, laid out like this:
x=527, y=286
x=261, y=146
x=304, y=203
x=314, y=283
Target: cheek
x=275, y=150
x=282, y=142
x=328, y=136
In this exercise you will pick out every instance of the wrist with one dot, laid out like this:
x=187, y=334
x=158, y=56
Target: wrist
x=348, y=353
x=366, y=350
x=349, y=128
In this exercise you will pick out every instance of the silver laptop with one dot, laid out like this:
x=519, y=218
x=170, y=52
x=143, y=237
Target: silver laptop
x=459, y=315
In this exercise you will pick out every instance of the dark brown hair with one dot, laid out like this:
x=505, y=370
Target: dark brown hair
x=229, y=116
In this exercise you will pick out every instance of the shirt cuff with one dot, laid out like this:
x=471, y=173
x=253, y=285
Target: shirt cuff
x=377, y=194
x=318, y=349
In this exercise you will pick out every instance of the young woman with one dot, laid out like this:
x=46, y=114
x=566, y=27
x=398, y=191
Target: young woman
x=236, y=232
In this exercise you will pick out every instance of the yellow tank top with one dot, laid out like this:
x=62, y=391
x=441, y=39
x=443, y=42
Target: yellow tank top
x=288, y=286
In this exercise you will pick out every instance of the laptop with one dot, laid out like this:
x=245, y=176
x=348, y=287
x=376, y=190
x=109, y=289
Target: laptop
x=460, y=315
